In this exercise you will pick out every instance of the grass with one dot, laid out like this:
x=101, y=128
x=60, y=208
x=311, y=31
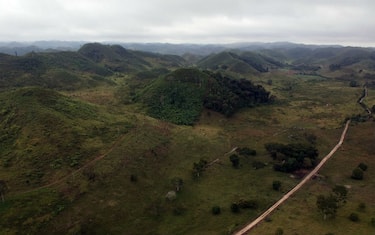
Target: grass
x=102, y=199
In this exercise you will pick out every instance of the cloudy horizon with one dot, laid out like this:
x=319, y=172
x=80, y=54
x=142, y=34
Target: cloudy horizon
x=348, y=23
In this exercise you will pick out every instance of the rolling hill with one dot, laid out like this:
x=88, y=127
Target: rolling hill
x=109, y=140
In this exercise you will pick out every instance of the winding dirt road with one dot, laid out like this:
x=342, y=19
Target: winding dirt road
x=251, y=225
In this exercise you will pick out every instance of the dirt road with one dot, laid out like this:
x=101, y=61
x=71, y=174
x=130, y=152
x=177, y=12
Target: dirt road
x=251, y=225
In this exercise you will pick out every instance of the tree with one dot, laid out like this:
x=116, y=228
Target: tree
x=276, y=185
x=235, y=160
x=327, y=205
x=234, y=207
x=357, y=174
x=199, y=167
x=362, y=166
x=354, y=217
x=279, y=231
x=177, y=182
x=3, y=189
x=216, y=210
x=340, y=192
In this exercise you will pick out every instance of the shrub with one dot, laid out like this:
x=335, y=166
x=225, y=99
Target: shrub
x=276, y=185
x=258, y=165
x=234, y=207
x=357, y=174
x=362, y=166
x=362, y=206
x=354, y=217
x=246, y=151
x=133, y=178
x=279, y=231
x=216, y=210
x=248, y=204
x=235, y=160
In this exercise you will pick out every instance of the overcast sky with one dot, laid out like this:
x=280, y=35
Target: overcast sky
x=345, y=22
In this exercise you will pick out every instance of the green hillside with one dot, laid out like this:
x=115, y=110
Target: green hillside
x=180, y=96
x=109, y=140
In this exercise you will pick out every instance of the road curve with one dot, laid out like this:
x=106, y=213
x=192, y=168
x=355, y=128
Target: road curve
x=251, y=225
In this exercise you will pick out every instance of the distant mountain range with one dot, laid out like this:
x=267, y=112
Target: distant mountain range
x=21, y=48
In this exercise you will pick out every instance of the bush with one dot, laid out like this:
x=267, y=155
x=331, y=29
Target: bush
x=354, y=217
x=235, y=160
x=362, y=206
x=279, y=231
x=258, y=165
x=276, y=185
x=362, y=166
x=357, y=174
x=133, y=178
x=246, y=151
x=248, y=204
x=235, y=208
x=216, y=210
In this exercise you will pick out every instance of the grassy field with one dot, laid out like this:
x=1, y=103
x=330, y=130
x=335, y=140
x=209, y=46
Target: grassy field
x=125, y=192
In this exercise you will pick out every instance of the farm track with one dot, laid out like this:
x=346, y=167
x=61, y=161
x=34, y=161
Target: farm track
x=251, y=225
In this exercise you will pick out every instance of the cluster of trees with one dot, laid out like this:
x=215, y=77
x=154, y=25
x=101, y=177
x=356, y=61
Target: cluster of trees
x=358, y=172
x=228, y=95
x=328, y=204
x=291, y=157
x=180, y=96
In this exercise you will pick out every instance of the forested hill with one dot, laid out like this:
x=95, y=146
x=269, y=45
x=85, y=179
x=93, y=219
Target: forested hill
x=180, y=96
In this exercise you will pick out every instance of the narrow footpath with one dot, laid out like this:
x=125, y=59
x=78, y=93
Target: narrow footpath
x=251, y=225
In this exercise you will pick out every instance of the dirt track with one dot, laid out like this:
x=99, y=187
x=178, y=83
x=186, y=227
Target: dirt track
x=251, y=225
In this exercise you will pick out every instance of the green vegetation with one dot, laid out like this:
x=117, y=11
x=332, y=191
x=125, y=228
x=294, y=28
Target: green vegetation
x=180, y=96
x=89, y=143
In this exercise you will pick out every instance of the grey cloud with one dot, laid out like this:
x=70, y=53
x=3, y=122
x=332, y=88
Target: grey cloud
x=335, y=21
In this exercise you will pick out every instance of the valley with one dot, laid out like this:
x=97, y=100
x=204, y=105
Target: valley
x=110, y=140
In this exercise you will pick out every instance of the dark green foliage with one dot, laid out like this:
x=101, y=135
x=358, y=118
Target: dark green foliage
x=179, y=210
x=258, y=165
x=180, y=96
x=372, y=222
x=216, y=210
x=354, y=217
x=291, y=157
x=334, y=67
x=341, y=193
x=327, y=205
x=234, y=207
x=362, y=206
x=229, y=95
x=246, y=151
x=133, y=178
x=276, y=185
x=177, y=183
x=3, y=189
x=248, y=204
x=199, y=167
x=279, y=231
x=357, y=174
x=362, y=166
x=235, y=160
x=353, y=83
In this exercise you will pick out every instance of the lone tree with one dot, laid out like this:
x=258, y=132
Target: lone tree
x=235, y=160
x=276, y=185
x=199, y=167
x=3, y=189
x=357, y=174
x=177, y=182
